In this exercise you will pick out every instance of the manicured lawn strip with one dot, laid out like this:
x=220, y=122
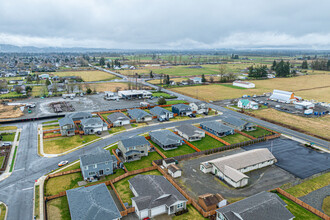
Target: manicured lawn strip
x=58, y=209
x=13, y=161
x=172, y=102
x=48, y=122
x=181, y=150
x=326, y=205
x=259, y=132
x=144, y=162
x=61, y=144
x=235, y=138
x=207, y=143
x=8, y=128
x=163, y=94
x=299, y=212
x=8, y=136
x=191, y=214
x=2, y=158
x=309, y=185
x=123, y=189
x=116, y=129
x=36, y=202
x=50, y=127
x=3, y=212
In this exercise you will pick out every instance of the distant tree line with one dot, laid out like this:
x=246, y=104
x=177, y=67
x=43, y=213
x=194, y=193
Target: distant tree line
x=321, y=65
x=258, y=71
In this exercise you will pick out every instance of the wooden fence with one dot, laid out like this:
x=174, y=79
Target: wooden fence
x=267, y=129
x=118, y=159
x=156, y=148
x=63, y=173
x=302, y=204
x=51, y=136
x=244, y=134
x=192, y=146
x=109, y=126
x=50, y=131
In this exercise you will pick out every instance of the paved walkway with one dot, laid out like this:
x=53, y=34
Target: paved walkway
x=315, y=198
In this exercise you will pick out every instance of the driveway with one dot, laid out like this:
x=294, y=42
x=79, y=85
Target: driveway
x=295, y=158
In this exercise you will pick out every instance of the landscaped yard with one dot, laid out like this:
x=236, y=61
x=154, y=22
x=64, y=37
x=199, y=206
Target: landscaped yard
x=2, y=159
x=259, y=132
x=123, y=189
x=58, y=209
x=207, y=143
x=6, y=128
x=191, y=214
x=235, y=138
x=61, y=144
x=8, y=136
x=144, y=162
x=116, y=129
x=181, y=150
x=2, y=212
x=299, y=212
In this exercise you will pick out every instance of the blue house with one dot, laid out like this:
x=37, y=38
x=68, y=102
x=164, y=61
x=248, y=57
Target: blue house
x=181, y=109
x=217, y=128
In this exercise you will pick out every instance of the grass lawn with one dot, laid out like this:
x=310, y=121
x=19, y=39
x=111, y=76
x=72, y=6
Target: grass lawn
x=299, y=212
x=235, y=138
x=11, y=95
x=2, y=158
x=181, y=150
x=165, y=95
x=259, y=132
x=36, y=202
x=207, y=143
x=309, y=185
x=50, y=127
x=8, y=136
x=105, y=86
x=326, y=205
x=13, y=160
x=36, y=91
x=3, y=212
x=123, y=189
x=72, y=167
x=116, y=129
x=88, y=76
x=144, y=162
x=61, y=144
x=48, y=122
x=5, y=128
x=191, y=214
x=58, y=209
x=105, y=115
x=173, y=102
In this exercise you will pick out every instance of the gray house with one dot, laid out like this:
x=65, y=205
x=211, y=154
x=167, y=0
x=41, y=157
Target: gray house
x=134, y=148
x=93, y=125
x=166, y=139
x=264, y=205
x=181, y=109
x=100, y=163
x=77, y=116
x=118, y=119
x=190, y=132
x=199, y=107
x=217, y=128
x=161, y=113
x=239, y=124
x=67, y=126
x=139, y=115
x=92, y=203
x=155, y=195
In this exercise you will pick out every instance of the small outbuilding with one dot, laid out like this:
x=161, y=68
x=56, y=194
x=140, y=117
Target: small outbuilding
x=174, y=171
x=244, y=84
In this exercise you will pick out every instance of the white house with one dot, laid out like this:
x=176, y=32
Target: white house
x=247, y=104
x=199, y=107
x=174, y=171
x=196, y=80
x=244, y=84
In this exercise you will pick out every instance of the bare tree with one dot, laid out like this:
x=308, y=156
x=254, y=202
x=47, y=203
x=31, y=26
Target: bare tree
x=222, y=71
x=211, y=79
x=117, y=89
x=18, y=89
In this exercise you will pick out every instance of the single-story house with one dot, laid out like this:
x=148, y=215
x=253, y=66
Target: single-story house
x=190, y=132
x=168, y=161
x=94, y=202
x=264, y=205
x=199, y=107
x=161, y=113
x=155, y=195
x=97, y=164
x=78, y=116
x=44, y=76
x=166, y=139
x=134, y=148
x=93, y=125
x=282, y=96
x=210, y=201
x=231, y=168
x=134, y=94
x=247, y=104
x=67, y=126
x=139, y=115
x=4, y=91
x=217, y=128
x=181, y=109
x=239, y=124
x=118, y=119
x=244, y=84
x=196, y=80
x=174, y=171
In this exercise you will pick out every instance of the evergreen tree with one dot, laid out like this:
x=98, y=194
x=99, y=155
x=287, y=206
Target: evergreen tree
x=203, y=78
x=151, y=74
x=102, y=61
x=274, y=65
x=304, y=65
x=47, y=82
x=108, y=65
x=161, y=101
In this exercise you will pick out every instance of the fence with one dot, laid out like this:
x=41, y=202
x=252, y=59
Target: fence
x=244, y=134
x=156, y=149
x=109, y=126
x=51, y=136
x=50, y=131
x=216, y=138
x=267, y=129
x=63, y=173
x=118, y=159
x=302, y=204
x=192, y=146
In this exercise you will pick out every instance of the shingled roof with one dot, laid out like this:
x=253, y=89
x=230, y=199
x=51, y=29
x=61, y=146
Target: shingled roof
x=165, y=137
x=216, y=126
x=137, y=113
x=159, y=111
x=99, y=156
x=234, y=121
x=189, y=130
x=134, y=141
x=117, y=116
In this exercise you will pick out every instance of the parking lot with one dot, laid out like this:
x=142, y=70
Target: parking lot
x=295, y=158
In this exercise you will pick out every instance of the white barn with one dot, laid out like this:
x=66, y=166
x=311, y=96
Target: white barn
x=232, y=168
x=282, y=96
x=244, y=84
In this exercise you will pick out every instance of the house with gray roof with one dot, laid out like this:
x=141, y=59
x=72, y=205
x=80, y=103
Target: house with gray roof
x=67, y=126
x=190, y=132
x=166, y=139
x=92, y=203
x=217, y=128
x=199, y=107
x=261, y=206
x=93, y=125
x=118, y=119
x=78, y=116
x=161, y=113
x=181, y=109
x=239, y=124
x=133, y=148
x=97, y=164
x=139, y=115
x=155, y=195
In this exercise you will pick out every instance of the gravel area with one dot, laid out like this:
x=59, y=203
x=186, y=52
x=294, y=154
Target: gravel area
x=315, y=198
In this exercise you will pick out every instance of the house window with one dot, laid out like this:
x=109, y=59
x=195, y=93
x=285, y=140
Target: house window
x=95, y=166
x=108, y=169
x=106, y=163
x=179, y=206
x=91, y=173
x=86, y=167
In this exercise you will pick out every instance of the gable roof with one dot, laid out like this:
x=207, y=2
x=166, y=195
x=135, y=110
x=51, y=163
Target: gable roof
x=99, y=156
x=159, y=111
x=173, y=168
x=282, y=95
x=189, y=130
x=181, y=106
x=211, y=199
x=216, y=126
x=154, y=191
x=134, y=141
x=89, y=121
x=234, y=121
x=264, y=205
x=79, y=115
x=65, y=121
x=117, y=116
x=244, y=102
x=137, y=113
x=92, y=203
x=165, y=137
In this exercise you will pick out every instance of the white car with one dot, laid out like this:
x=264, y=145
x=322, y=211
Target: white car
x=63, y=163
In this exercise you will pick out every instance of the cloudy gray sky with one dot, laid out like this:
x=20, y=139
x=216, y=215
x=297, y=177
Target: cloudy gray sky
x=166, y=24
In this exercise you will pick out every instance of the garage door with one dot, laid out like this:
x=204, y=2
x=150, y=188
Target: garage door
x=158, y=210
x=144, y=214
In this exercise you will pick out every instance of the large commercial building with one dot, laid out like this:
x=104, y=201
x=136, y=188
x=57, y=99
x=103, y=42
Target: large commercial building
x=134, y=94
x=283, y=96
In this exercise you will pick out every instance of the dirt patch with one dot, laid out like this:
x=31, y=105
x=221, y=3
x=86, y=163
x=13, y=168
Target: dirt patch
x=7, y=111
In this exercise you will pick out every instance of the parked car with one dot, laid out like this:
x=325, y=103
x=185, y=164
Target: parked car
x=63, y=163
x=6, y=144
x=277, y=106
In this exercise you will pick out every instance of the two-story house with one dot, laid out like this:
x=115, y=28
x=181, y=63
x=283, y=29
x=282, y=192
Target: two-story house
x=93, y=125
x=67, y=126
x=199, y=107
x=134, y=148
x=181, y=109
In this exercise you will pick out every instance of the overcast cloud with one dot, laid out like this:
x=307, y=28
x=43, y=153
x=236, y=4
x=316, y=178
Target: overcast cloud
x=166, y=24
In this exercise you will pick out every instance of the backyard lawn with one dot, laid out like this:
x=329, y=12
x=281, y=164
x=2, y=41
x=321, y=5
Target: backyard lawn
x=207, y=143
x=61, y=144
x=191, y=214
x=123, y=189
x=235, y=138
x=105, y=115
x=144, y=162
x=58, y=209
x=2, y=158
x=8, y=136
x=181, y=150
x=5, y=128
x=259, y=132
